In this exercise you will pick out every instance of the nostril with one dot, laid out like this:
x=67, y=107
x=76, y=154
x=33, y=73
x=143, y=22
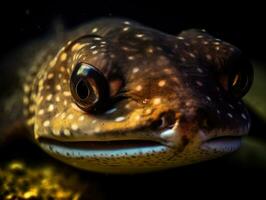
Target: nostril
x=166, y=120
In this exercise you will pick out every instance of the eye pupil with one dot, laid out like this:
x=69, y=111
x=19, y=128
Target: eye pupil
x=82, y=90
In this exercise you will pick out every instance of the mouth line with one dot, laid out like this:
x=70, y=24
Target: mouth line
x=103, y=145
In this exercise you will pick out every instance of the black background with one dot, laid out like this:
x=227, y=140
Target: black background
x=241, y=24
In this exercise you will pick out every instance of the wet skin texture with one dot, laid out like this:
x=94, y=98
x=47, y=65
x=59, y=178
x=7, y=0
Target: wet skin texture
x=114, y=96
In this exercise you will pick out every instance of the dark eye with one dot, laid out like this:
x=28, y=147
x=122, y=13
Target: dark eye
x=238, y=78
x=89, y=87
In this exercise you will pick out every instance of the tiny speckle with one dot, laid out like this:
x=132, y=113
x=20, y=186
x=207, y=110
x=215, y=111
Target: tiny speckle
x=156, y=101
x=58, y=87
x=74, y=127
x=119, y=119
x=243, y=116
x=49, y=97
x=81, y=118
x=135, y=70
x=130, y=57
x=41, y=112
x=67, y=93
x=230, y=115
x=46, y=123
x=125, y=28
x=208, y=98
x=199, y=83
x=199, y=70
x=209, y=57
x=70, y=117
x=161, y=83
x=50, y=76
x=66, y=132
x=139, y=88
x=94, y=30
x=50, y=108
x=63, y=57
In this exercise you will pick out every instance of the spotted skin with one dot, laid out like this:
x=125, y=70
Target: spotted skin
x=173, y=104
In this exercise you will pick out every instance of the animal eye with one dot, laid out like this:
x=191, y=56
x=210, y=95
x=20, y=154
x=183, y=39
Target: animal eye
x=238, y=78
x=89, y=87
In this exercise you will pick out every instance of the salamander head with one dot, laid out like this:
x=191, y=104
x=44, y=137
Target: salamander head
x=132, y=99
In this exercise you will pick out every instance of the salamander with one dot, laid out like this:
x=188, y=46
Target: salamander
x=115, y=96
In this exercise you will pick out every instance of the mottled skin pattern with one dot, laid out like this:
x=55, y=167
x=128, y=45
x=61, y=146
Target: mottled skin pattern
x=172, y=105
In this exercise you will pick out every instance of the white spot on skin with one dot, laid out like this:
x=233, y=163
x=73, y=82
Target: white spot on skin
x=58, y=87
x=230, y=115
x=95, y=52
x=231, y=106
x=218, y=111
x=192, y=55
x=46, y=123
x=125, y=28
x=199, y=83
x=208, y=56
x=180, y=38
x=126, y=22
x=94, y=30
x=81, y=118
x=26, y=88
x=208, y=98
x=130, y=57
x=41, y=112
x=70, y=117
x=135, y=70
x=57, y=99
x=66, y=132
x=67, y=93
x=50, y=76
x=74, y=127
x=63, y=57
x=119, y=119
x=56, y=132
x=199, y=70
x=156, y=101
x=62, y=69
x=161, y=83
x=25, y=100
x=50, y=108
x=139, y=88
x=243, y=116
x=93, y=47
x=148, y=111
x=139, y=35
x=49, y=97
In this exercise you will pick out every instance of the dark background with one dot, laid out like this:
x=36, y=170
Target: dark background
x=241, y=24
